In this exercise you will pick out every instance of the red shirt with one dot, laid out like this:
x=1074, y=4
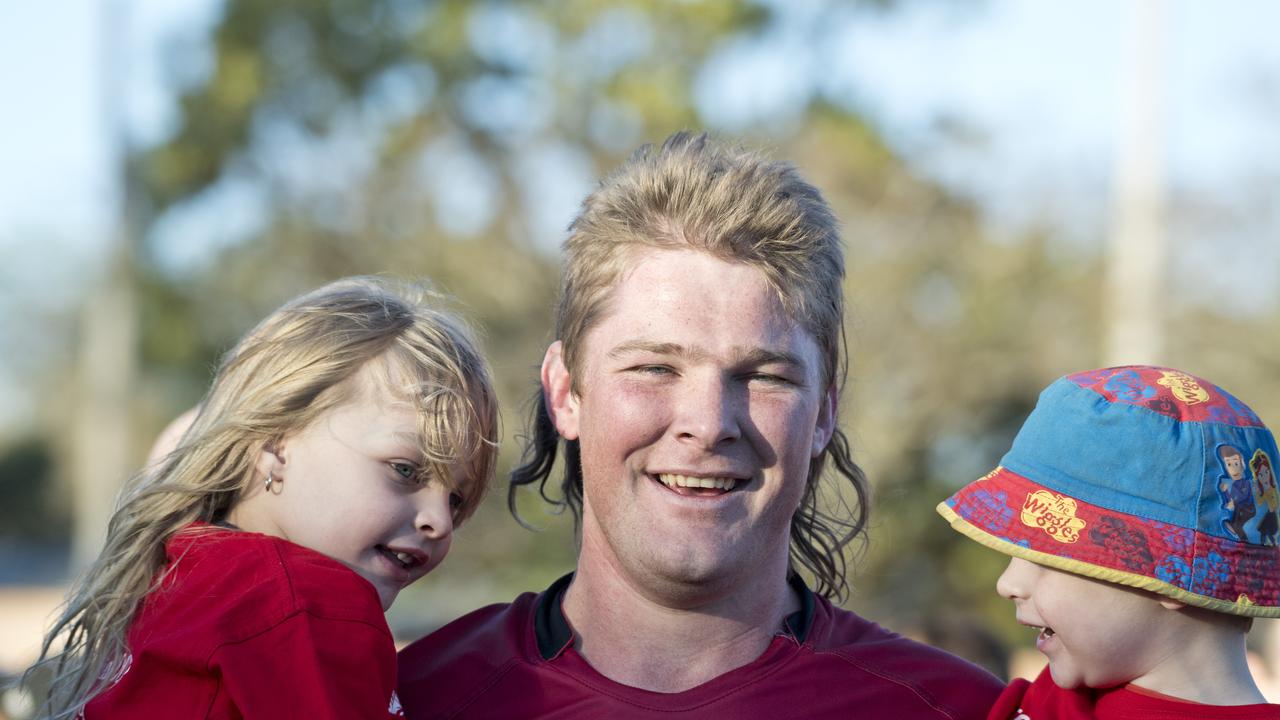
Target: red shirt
x=251, y=626
x=518, y=660
x=1044, y=700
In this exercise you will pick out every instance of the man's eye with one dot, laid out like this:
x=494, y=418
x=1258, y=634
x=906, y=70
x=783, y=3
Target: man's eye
x=653, y=370
x=768, y=378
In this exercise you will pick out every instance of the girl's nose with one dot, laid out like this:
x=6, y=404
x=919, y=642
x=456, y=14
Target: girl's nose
x=435, y=512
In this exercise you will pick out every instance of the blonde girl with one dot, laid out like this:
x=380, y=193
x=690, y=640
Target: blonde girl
x=247, y=573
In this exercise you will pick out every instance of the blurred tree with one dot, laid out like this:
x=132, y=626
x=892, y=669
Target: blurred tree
x=453, y=139
x=26, y=507
x=445, y=139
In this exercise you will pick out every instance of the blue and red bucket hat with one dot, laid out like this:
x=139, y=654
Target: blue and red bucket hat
x=1143, y=476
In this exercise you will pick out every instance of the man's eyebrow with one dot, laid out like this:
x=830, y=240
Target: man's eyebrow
x=753, y=356
x=655, y=348
x=764, y=356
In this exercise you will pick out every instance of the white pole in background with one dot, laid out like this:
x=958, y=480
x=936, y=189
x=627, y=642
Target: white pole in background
x=102, y=454
x=1137, y=259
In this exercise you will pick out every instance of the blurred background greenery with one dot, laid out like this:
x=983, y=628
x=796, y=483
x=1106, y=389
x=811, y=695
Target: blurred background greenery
x=451, y=140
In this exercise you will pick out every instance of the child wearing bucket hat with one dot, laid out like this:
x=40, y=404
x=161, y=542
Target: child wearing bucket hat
x=1138, y=507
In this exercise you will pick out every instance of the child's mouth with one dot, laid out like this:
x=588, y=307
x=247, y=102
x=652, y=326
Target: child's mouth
x=403, y=559
x=1046, y=634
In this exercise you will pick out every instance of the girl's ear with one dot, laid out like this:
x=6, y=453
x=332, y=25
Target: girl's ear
x=271, y=460
x=557, y=389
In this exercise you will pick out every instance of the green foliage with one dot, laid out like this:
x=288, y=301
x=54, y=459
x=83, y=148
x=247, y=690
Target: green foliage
x=405, y=89
x=365, y=131
x=593, y=79
x=29, y=504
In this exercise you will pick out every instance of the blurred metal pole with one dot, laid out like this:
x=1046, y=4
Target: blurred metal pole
x=102, y=439
x=1137, y=262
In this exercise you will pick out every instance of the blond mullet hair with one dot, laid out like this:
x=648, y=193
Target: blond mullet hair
x=295, y=366
x=694, y=193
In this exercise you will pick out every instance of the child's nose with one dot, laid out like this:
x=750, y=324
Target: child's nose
x=435, y=513
x=1015, y=581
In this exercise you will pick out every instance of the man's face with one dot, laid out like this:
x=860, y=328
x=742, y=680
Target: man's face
x=700, y=407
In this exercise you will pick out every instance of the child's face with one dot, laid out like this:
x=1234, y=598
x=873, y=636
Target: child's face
x=1094, y=633
x=346, y=486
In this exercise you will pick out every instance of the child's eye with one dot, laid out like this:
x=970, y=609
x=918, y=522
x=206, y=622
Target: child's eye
x=408, y=471
x=455, y=501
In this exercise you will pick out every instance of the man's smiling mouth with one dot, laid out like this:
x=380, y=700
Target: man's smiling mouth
x=698, y=486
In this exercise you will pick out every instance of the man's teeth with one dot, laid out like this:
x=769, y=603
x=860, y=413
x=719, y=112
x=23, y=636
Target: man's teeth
x=686, y=481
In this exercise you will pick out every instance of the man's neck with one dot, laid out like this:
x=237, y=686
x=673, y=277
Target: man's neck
x=647, y=642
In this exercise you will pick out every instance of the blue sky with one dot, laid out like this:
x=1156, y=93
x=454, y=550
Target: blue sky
x=1037, y=87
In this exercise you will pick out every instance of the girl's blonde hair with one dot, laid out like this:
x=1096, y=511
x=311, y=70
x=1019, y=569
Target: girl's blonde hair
x=284, y=374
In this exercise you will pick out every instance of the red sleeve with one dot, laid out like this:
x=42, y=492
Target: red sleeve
x=1007, y=706
x=311, y=667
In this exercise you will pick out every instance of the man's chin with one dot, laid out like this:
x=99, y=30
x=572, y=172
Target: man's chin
x=690, y=582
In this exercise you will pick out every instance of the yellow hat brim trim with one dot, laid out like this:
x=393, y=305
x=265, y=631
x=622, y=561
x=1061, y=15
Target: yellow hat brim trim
x=1241, y=607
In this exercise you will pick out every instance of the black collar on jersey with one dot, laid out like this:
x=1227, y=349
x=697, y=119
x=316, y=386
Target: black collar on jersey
x=554, y=634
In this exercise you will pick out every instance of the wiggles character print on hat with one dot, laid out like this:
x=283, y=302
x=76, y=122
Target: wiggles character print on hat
x=1144, y=476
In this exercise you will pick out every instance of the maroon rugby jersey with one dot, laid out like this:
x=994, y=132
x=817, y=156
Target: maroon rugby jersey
x=251, y=626
x=517, y=661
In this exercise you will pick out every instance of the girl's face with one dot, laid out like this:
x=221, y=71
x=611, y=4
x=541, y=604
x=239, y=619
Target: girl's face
x=348, y=486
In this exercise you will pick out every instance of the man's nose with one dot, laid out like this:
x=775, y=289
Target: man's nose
x=707, y=412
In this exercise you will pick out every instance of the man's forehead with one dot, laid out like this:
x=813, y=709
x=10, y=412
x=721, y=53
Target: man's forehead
x=652, y=274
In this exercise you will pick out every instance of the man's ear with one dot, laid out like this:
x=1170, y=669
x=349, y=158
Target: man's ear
x=557, y=391
x=826, y=425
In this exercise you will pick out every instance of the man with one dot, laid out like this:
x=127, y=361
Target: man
x=694, y=384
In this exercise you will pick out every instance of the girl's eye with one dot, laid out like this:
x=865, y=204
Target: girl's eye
x=404, y=470
x=455, y=501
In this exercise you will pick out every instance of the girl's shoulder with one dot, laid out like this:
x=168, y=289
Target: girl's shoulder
x=247, y=582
